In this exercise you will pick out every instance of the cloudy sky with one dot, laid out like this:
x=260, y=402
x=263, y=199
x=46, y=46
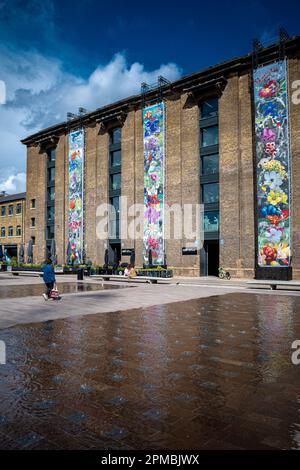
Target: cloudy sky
x=58, y=55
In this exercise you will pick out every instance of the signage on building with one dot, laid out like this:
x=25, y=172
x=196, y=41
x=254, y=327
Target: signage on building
x=127, y=251
x=186, y=250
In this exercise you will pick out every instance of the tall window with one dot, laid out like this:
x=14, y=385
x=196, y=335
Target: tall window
x=19, y=208
x=50, y=216
x=18, y=231
x=209, y=156
x=10, y=231
x=115, y=161
x=11, y=209
x=3, y=211
x=2, y=231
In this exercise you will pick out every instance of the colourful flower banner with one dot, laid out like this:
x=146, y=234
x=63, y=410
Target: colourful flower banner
x=273, y=164
x=76, y=188
x=154, y=156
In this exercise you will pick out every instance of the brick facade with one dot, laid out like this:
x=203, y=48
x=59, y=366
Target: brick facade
x=14, y=221
x=182, y=170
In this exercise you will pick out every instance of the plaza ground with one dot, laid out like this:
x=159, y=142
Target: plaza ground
x=205, y=364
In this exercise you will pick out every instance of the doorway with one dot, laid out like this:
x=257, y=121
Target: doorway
x=209, y=258
x=11, y=251
x=114, y=249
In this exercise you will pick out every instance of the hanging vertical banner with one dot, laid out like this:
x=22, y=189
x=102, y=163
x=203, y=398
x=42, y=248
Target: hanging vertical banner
x=76, y=191
x=154, y=160
x=273, y=164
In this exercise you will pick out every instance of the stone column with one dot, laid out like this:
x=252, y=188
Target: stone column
x=236, y=179
x=173, y=177
x=294, y=74
x=139, y=178
x=128, y=175
x=90, y=191
x=101, y=186
x=36, y=188
x=60, y=195
x=190, y=171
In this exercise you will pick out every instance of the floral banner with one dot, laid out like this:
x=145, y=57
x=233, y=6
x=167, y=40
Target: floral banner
x=76, y=188
x=154, y=155
x=273, y=161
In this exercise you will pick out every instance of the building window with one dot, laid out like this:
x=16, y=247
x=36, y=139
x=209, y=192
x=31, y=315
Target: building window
x=51, y=154
x=33, y=240
x=209, y=108
x=209, y=136
x=19, y=208
x=115, y=182
x=210, y=193
x=210, y=164
x=115, y=162
x=115, y=202
x=32, y=203
x=10, y=231
x=10, y=209
x=51, y=174
x=32, y=221
x=50, y=214
x=3, y=211
x=51, y=194
x=211, y=221
x=50, y=232
x=115, y=158
x=18, y=231
x=209, y=156
x=115, y=136
x=2, y=231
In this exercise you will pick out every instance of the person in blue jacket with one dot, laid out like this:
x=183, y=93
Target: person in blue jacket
x=48, y=277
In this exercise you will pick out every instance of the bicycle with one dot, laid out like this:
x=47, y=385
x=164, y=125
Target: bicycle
x=224, y=274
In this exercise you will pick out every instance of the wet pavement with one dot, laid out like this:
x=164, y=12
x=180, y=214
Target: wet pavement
x=16, y=291
x=212, y=373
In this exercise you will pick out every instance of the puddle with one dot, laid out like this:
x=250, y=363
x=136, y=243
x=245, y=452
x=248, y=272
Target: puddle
x=143, y=379
x=63, y=287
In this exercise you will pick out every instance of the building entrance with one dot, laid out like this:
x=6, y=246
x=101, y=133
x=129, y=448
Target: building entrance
x=209, y=258
x=115, y=252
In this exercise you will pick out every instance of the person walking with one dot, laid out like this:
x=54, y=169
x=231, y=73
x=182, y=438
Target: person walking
x=49, y=278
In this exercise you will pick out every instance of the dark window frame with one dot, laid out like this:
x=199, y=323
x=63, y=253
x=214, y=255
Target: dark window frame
x=206, y=151
x=114, y=170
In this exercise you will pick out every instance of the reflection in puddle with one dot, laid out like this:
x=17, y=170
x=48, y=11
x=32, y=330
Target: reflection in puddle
x=155, y=378
x=64, y=288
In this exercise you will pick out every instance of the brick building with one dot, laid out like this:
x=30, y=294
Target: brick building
x=12, y=222
x=215, y=133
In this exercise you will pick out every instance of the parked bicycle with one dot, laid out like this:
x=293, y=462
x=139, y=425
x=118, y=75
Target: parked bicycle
x=224, y=274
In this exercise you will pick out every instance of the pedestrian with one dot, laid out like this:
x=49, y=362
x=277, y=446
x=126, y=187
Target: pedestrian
x=49, y=278
x=132, y=272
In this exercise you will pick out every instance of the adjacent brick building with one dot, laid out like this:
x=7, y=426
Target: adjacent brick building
x=12, y=223
x=209, y=157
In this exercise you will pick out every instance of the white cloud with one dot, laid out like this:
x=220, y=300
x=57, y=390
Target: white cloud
x=40, y=93
x=14, y=183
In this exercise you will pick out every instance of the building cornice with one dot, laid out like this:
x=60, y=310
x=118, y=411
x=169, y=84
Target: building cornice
x=213, y=77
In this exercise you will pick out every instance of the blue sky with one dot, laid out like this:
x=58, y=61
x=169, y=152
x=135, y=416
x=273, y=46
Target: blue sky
x=58, y=55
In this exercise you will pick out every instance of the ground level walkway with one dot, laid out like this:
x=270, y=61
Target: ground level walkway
x=21, y=300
